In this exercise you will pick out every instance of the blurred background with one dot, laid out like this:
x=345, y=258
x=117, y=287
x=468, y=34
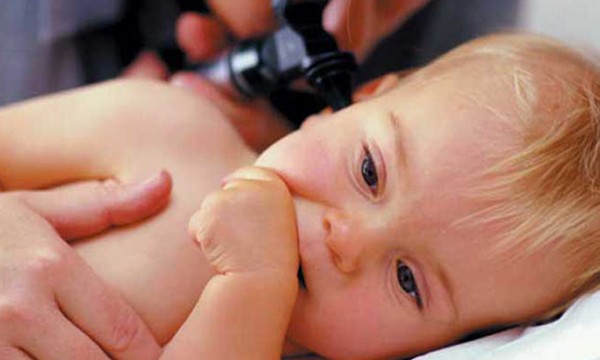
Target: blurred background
x=51, y=45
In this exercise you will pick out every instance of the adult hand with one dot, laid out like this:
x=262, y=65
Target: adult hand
x=202, y=37
x=356, y=24
x=52, y=305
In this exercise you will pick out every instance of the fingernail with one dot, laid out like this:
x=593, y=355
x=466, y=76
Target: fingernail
x=153, y=179
x=157, y=179
x=225, y=180
x=111, y=182
x=182, y=80
x=252, y=173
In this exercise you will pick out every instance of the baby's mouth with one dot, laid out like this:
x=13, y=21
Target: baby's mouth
x=301, y=280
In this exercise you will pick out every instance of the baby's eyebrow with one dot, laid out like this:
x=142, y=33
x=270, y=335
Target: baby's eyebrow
x=442, y=275
x=399, y=139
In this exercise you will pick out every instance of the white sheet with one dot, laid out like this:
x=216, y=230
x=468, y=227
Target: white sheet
x=575, y=336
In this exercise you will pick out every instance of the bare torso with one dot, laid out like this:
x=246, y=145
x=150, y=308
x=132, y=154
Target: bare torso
x=154, y=264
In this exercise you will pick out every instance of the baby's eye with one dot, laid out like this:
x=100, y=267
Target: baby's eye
x=407, y=282
x=368, y=171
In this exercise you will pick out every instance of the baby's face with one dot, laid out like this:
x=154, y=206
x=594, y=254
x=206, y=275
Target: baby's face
x=381, y=189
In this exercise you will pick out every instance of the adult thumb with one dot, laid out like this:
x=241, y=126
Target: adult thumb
x=87, y=208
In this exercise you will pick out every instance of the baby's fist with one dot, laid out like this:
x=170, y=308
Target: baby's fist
x=249, y=225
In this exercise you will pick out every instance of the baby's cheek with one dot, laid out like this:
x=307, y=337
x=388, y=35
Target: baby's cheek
x=307, y=166
x=350, y=324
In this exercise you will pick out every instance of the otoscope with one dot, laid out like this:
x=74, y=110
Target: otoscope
x=300, y=49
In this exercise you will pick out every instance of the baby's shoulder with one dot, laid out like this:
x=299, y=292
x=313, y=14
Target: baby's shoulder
x=167, y=118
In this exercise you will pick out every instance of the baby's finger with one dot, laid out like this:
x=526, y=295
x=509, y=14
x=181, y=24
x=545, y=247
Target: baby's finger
x=219, y=206
x=253, y=173
x=88, y=208
x=204, y=221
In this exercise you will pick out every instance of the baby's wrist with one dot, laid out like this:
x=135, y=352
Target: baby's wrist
x=279, y=280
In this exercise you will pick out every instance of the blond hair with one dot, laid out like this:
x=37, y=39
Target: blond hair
x=546, y=192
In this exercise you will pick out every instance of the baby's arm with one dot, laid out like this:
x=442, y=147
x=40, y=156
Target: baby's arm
x=247, y=231
x=54, y=139
x=89, y=133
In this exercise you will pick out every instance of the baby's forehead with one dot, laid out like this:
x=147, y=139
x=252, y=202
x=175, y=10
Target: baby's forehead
x=540, y=73
x=502, y=97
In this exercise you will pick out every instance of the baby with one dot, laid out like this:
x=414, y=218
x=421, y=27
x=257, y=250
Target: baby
x=460, y=197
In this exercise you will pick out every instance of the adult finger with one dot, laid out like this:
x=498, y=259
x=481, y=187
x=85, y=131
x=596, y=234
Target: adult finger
x=146, y=66
x=13, y=353
x=359, y=25
x=55, y=338
x=201, y=37
x=101, y=312
x=87, y=208
x=243, y=18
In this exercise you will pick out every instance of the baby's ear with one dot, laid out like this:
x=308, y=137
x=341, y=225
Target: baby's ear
x=376, y=87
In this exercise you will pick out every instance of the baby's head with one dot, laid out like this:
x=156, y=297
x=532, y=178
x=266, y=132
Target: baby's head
x=462, y=197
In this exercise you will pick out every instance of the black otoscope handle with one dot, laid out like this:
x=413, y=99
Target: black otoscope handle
x=299, y=49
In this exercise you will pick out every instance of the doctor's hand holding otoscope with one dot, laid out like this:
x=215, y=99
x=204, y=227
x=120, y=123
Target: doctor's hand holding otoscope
x=276, y=44
x=299, y=50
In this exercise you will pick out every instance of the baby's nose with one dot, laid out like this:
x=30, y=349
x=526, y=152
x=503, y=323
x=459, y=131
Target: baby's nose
x=344, y=241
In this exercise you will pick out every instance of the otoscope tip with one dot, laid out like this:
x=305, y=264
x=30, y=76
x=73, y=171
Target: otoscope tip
x=336, y=89
x=331, y=76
